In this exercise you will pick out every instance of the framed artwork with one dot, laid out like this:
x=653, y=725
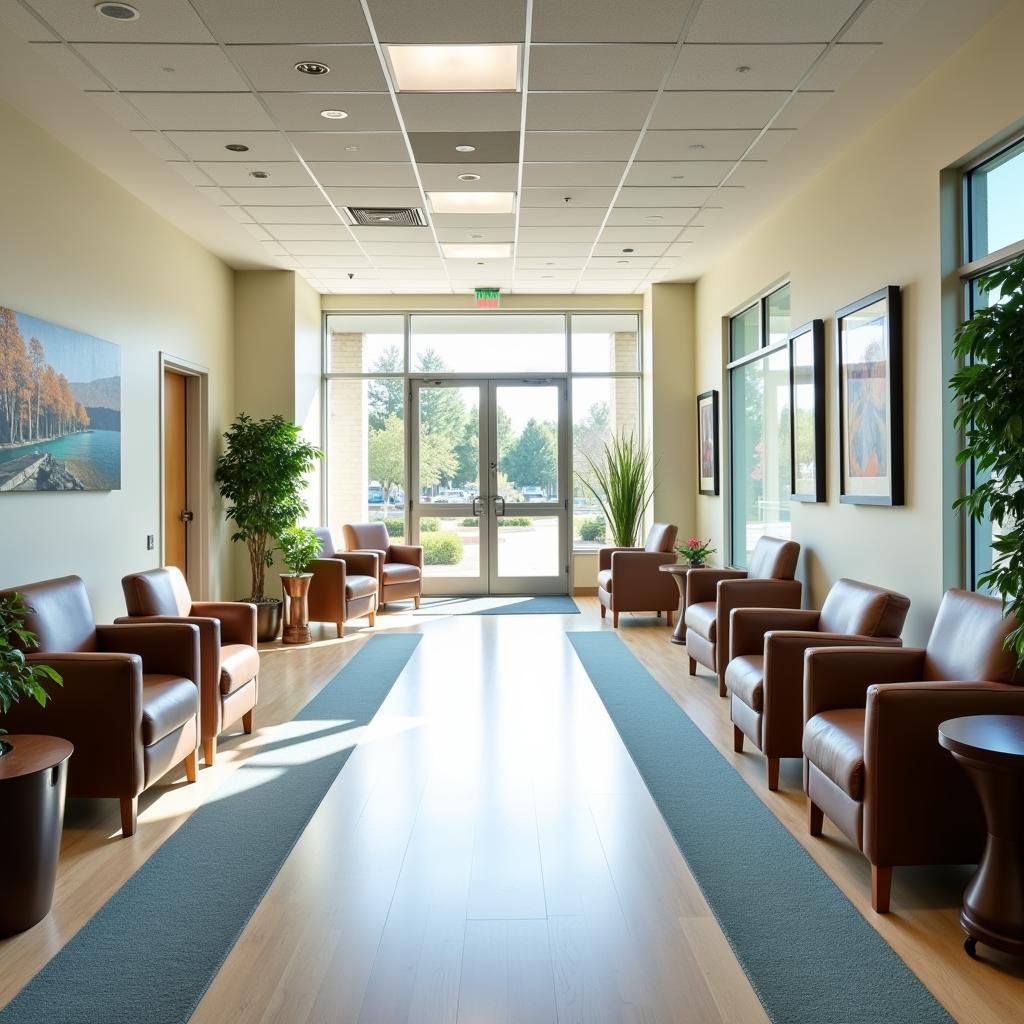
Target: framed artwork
x=807, y=412
x=707, y=443
x=869, y=373
x=60, y=399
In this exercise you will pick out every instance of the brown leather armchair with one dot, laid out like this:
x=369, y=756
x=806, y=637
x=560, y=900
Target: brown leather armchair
x=873, y=763
x=765, y=675
x=401, y=565
x=711, y=595
x=129, y=703
x=344, y=584
x=229, y=661
x=628, y=579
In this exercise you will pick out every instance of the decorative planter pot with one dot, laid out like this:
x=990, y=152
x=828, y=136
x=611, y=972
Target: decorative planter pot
x=296, y=617
x=268, y=619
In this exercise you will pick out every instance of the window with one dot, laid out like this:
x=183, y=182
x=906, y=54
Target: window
x=993, y=200
x=759, y=423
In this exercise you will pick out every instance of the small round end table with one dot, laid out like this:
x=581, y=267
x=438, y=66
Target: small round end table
x=990, y=748
x=678, y=573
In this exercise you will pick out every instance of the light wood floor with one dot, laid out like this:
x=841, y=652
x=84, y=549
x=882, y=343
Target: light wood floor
x=489, y=853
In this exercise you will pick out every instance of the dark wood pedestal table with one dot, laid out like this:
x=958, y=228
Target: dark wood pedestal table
x=678, y=573
x=33, y=774
x=990, y=748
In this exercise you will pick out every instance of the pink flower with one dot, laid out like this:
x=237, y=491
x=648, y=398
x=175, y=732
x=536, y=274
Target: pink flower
x=693, y=543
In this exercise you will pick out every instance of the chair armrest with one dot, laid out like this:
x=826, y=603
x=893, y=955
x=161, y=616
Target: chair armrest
x=835, y=677
x=210, y=638
x=604, y=556
x=171, y=648
x=749, y=625
x=237, y=619
x=638, y=583
x=361, y=563
x=406, y=554
x=748, y=593
x=382, y=557
x=701, y=584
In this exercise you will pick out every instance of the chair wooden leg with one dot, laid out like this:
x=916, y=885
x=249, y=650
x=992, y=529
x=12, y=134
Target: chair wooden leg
x=881, y=888
x=615, y=619
x=247, y=722
x=341, y=629
x=737, y=739
x=815, y=818
x=604, y=611
x=129, y=815
x=416, y=601
x=693, y=666
x=668, y=614
x=373, y=618
x=192, y=766
x=658, y=614
x=773, y=773
x=723, y=690
x=210, y=750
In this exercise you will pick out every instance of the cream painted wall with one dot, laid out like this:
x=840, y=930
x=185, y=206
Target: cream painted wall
x=80, y=251
x=873, y=218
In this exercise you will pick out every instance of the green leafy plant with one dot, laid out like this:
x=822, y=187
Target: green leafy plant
x=592, y=529
x=442, y=549
x=298, y=545
x=990, y=389
x=395, y=527
x=696, y=551
x=261, y=474
x=430, y=524
x=18, y=676
x=622, y=486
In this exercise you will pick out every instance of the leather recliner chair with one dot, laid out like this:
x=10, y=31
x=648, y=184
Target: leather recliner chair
x=401, y=565
x=765, y=675
x=628, y=579
x=229, y=661
x=711, y=595
x=129, y=702
x=344, y=585
x=873, y=763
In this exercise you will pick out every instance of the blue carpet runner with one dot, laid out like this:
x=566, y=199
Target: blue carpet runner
x=547, y=605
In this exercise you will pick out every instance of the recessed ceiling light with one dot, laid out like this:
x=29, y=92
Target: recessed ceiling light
x=469, y=177
x=480, y=263
x=696, y=145
x=168, y=69
x=334, y=115
x=466, y=251
x=118, y=12
x=627, y=250
x=743, y=69
x=237, y=147
x=653, y=217
x=472, y=202
x=465, y=149
x=259, y=174
x=311, y=67
x=460, y=68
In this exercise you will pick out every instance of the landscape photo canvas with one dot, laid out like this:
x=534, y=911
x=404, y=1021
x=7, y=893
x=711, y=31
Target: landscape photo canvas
x=60, y=408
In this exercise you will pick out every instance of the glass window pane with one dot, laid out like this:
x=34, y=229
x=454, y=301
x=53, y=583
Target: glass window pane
x=997, y=202
x=605, y=343
x=760, y=453
x=365, y=344
x=744, y=333
x=527, y=442
x=449, y=444
x=528, y=546
x=488, y=343
x=777, y=310
x=366, y=454
x=451, y=546
x=602, y=407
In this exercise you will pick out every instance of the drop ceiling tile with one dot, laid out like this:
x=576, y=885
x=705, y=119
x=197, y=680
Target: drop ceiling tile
x=594, y=173
x=215, y=195
x=272, y=195
x=359, y=196
x=261, y=235
x=493, y=177
x=534, y=274
x=209, y=111
x=749, y=172
x=561, y=233
x=609, y=21
x=680, y=248
x=562, y=111
x=378, y=147
x=238, y=214
x=160, y=145
x=556, y=197
x=772, y=143
x=586, y=216
x=148, y=66
x=170, y=21
x=695, y=145
x=599, y=67
x=477, y=234
x=469, y=222
x=421, y=273
x=688, y=172
x=463, y=21
x=537, y=264
x=311, y=219
x=300, y=111
x=553, y=249
x=627, y=216
x=751, y=110
x=282, y=173
x=336, y=231
x=272, y=68
x=782, y=21
x=880, y=19
x=679, y=195
x=383, y=248
x=461, y=112
x=210, y=145
x=644, y=253
x=22, y=23
x=271, y=21
x=120, y=110
x=622, y=235
x=349, y=172
x=577, y=146
x=608, y=273
x=776, y=66
x=191, y=173
x=69, y=65
x=418, y=264
x=602, y=288
x=344, y=263
x=492, y=269
x=488, y=147
x=841, y=64
x=390, y=234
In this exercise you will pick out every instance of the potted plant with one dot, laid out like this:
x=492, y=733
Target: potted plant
x=298, y=546
x=18, y=676
x=695, y=552
x=261, y=474
x=990, y=389
x=622, y=485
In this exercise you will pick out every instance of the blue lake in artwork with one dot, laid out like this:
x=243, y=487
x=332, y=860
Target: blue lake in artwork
x=94, y=456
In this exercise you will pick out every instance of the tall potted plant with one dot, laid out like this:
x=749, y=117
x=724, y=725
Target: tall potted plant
x=261, y=474
x=990, y=389
x=298, y=546
x=622, y=484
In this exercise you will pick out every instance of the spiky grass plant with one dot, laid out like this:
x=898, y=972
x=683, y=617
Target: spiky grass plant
x=623, y=486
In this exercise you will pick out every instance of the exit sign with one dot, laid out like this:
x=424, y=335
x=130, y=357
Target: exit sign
x=487, y=298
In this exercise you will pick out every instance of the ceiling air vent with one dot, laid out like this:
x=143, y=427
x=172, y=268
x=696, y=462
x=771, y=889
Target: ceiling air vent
x=387, y=217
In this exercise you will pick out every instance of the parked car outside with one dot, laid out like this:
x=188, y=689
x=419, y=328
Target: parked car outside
x=534, y=494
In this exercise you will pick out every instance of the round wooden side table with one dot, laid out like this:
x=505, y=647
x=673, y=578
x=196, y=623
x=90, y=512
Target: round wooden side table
x=990, y=748
x=678, y=573
x=33, y=775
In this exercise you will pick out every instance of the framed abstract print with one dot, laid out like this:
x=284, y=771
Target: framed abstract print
x=869, y=372
x=807, y=412
x=707, y=443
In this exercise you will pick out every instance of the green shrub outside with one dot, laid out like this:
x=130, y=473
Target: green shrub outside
x=441, y=549
x=431, y=524
x=504, y=521
x=591, y=529
x=395, y=527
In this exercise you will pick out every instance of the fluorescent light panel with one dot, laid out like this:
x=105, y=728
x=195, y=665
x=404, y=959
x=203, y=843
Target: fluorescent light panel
x=472, y=202
x=463, y=68
x=477, y=251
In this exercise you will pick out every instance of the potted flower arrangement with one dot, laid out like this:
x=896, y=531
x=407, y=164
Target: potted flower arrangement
x=695, y=552
x=298, y=546
x=261, y=475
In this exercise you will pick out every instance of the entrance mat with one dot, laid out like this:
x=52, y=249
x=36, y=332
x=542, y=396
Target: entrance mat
x=809, y=954
x=152, y=950
x=557, y=605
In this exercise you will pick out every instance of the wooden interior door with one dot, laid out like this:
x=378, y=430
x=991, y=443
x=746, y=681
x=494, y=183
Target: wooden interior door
x=176, y=513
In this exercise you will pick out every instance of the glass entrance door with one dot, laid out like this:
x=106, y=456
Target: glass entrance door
x=490, y=469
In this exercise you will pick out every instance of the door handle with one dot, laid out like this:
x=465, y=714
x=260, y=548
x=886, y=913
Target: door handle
x=496, y=499
x=186, y=516
x=477, y=510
